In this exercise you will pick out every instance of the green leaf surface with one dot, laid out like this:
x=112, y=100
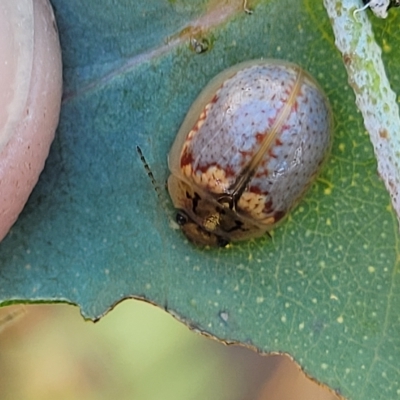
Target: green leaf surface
x=324, y=289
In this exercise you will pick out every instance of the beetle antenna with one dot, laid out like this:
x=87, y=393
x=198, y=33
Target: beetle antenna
x=164, y=204
x=160, y=194
x=149, y=173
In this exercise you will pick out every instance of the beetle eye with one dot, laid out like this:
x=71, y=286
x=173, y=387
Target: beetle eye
x=181, y=218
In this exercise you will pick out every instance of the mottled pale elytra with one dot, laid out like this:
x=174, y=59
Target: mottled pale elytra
x=249, y=147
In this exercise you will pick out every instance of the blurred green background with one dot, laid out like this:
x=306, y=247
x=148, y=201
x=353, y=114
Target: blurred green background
x=137, y=351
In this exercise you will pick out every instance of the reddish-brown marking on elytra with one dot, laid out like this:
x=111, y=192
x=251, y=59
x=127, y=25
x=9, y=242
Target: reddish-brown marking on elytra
x=204, y=168
x=186, y=158
x=260, y=175
x=203, y=116
x=214, y=99
x=246, y=154
x=255, y=189
x=262, y=172
x=229, y=172
x=267, y=207
x=194, y=130
x=196, y=126
x=278, y=142
x=260, y=137
x=271, y=153
x=295, y=106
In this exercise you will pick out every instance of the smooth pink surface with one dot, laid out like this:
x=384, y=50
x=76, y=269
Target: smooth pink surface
x=23, y=157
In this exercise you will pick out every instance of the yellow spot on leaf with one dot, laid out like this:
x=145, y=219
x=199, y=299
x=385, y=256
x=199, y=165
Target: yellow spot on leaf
x=260, y=300
x=386, y=47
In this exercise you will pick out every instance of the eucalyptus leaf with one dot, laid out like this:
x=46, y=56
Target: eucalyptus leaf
x=324, y=288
